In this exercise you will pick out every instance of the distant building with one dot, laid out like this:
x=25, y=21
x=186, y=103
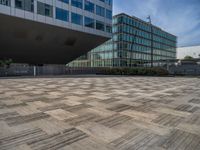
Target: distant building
x=193, y=51
x=131, y=45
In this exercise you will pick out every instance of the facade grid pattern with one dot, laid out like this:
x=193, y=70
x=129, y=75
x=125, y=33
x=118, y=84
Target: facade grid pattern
x=130, y=45
x=61, y=12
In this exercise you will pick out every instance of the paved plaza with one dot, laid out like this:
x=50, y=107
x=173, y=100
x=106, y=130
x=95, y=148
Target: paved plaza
x=100, y=113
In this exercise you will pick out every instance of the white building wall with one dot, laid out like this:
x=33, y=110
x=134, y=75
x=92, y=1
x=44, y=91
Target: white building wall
x=11, y=10
x=193, y=51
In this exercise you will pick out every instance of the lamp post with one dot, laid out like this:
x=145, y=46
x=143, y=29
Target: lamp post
x=133, y=42
x=149, y=18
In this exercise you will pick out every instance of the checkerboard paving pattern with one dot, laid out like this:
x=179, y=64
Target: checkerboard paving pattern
x=100, y=113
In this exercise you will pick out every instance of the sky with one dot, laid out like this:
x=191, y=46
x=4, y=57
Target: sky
x=178, y=17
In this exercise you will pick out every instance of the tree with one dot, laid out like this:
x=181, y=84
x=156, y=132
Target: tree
x=188, y=58
x=6, y=63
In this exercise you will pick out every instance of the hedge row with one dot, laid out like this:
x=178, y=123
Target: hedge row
x=135, y=71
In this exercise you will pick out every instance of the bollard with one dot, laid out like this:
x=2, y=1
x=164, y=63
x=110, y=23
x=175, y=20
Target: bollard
x=34, y=71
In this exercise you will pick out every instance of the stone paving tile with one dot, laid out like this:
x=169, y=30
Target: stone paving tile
x=60, y=114
x=100, y=113
x=136, y=139
x=195, y=101
x=180, y=140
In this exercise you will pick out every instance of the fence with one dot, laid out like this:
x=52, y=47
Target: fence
x=26, y=70
x=185, y=70
x=16, y=71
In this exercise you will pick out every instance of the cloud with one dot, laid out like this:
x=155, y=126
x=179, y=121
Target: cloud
x=179, y=17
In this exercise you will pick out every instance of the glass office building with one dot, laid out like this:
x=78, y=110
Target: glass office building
x=61, y=27
x=134, y=43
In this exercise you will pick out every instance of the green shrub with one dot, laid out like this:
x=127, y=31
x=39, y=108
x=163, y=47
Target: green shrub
x=6, y=63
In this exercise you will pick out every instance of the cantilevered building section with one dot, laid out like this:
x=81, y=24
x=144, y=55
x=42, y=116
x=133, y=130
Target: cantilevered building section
x=134, y=43
x=52, y=31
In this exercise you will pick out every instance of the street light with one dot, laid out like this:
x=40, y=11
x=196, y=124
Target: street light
x=133, y=43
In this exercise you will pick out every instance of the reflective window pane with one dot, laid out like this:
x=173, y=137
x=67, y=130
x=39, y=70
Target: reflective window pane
x=27, y=5
x=100, y=25
x=44, y=9
x=64, y=1
x=62, y=14
x=77, y=3
x=77, y=19
x=5, y=2
x=89, y=6
x=108, y=14
x=100, y=11
x=89, y=22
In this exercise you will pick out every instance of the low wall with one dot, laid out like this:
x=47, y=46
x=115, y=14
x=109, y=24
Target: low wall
x=26, y=70
x=185, y=70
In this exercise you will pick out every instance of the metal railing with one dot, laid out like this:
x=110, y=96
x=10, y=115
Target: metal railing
x=46, y=70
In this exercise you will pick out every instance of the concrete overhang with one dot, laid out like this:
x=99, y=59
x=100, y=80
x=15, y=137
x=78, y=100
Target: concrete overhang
x=26, y=41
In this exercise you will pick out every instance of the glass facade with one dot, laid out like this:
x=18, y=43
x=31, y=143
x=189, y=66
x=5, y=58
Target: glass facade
x=89, y=22
x=108, y=29
x=77, y=3
x=62, y=14
x=100, y=25
x=108, y=14
x=44, y=9
x=27, y=5
x=109, y=2
x=5, y=2
x=64, y=1
x=76, y=19
x=100, y=11
x=89, y=6
x=84, y=15
x=133, y=43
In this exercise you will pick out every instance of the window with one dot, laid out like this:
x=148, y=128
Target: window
x=62, y=14
x=109, y=2
x=44, y=9
x=5, y=2
x=108, y=28
x=99, y=25
x=100, y=11
x=77, y=19
x=108, y=14
x=89, y=6
x=89, y=22
x=19, y=4
x=27, y=5
x=47, y=10
x=64, y=1
x=77, y=3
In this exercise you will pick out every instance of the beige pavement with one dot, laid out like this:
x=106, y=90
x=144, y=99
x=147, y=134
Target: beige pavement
x=100, y=113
